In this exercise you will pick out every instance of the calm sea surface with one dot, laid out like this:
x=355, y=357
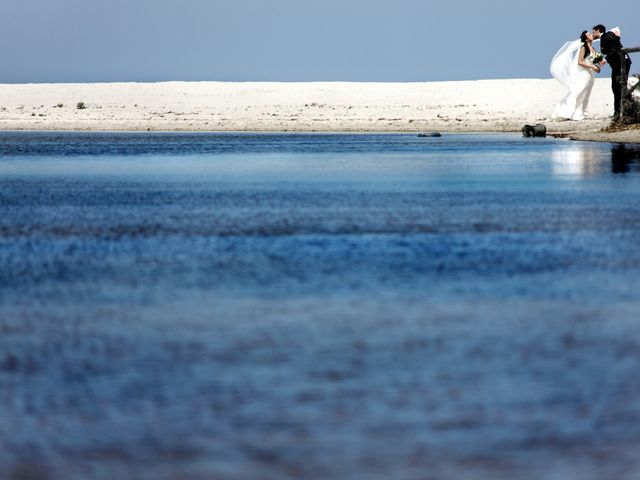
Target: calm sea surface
x=266, y=306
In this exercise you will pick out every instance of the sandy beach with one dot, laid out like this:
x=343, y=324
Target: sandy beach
x=462, y=106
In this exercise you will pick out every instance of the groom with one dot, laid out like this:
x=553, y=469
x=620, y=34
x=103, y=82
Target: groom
x=610, y=46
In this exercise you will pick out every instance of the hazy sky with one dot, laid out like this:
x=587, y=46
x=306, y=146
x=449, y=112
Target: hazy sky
x=294, y=40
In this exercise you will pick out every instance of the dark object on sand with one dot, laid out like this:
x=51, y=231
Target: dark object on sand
x=429, y=134
x=538, y=130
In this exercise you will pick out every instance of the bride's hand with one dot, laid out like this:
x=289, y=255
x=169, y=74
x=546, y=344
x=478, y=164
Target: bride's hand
x=596, y=68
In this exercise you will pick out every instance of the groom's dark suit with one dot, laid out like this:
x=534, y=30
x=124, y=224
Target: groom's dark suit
x=610, y=45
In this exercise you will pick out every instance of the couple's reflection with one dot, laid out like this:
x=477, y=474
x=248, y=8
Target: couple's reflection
x=584, y=160
x=623, y=157
x=577, y=160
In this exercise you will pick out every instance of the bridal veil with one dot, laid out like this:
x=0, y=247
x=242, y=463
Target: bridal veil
x=564, y=66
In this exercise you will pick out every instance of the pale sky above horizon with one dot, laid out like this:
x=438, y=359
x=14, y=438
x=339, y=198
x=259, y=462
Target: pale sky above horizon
x=293, y=40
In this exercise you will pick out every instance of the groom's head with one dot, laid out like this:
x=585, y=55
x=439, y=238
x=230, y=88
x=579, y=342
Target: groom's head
x=598, y=30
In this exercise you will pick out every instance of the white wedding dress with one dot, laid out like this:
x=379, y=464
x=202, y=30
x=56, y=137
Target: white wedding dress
x=579, y=81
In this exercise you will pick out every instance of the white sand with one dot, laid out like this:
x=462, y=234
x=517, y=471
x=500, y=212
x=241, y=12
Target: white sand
x=473, y=106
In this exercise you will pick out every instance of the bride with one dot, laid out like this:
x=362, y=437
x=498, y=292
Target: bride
x=575, y=65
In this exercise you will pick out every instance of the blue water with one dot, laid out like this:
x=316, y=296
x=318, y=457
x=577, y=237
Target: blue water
x=178, y=305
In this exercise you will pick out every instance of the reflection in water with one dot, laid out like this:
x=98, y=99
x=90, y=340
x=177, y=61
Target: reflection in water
x=581, y=160
x=623, y=156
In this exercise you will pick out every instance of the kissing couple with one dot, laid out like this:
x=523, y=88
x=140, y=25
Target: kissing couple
x=576, y=64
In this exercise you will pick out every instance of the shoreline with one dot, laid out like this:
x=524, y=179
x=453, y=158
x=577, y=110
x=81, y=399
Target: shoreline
x=631, y=136
x=479, y=106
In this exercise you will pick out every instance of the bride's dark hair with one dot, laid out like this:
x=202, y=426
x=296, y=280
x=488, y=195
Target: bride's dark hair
x=583, y=39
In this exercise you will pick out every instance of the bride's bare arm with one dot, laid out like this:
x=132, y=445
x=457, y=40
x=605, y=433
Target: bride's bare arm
x=582, y=63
